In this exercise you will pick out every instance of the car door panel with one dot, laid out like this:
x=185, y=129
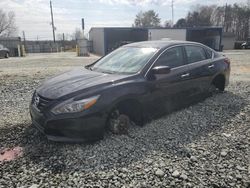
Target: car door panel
x=200, y=74
x=168, y=88
x=174, y=84
x=200, y=68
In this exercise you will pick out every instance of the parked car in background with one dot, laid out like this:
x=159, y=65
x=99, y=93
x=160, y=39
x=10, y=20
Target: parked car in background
x=246, y=45
x=4, y=52
x=135, y=82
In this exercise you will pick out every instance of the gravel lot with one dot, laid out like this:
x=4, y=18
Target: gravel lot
x=204, y=145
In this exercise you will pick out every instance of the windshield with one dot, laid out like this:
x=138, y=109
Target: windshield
x=126, y=60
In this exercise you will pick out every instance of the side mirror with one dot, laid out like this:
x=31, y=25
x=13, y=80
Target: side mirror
x=161, y=70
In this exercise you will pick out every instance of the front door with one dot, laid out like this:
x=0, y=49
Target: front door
x=169, y=89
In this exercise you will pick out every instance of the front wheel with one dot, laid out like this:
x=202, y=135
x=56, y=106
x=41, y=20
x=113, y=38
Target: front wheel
x=118, y=123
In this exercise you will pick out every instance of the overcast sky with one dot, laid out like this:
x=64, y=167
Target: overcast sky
x=33, y=16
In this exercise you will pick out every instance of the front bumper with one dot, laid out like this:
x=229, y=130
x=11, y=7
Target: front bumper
x=69, y=129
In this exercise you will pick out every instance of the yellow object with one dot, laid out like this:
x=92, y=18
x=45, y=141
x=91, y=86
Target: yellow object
x=77, y=50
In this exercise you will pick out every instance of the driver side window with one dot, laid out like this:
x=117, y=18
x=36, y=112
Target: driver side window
x=173, y=57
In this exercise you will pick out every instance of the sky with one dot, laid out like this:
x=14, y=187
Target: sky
x=33, y=16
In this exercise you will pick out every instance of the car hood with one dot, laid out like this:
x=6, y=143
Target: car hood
x=75, y=80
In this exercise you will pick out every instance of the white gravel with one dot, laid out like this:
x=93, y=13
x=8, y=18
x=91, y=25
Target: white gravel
x=204, y=145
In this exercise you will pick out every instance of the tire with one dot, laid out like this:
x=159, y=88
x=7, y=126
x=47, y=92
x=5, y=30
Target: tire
x=212, y=89
x=118, y=123
x=7, y=55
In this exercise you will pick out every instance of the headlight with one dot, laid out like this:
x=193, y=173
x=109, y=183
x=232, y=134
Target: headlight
x=71, y=106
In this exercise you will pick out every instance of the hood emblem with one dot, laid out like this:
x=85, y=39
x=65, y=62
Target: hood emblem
x=36, y=101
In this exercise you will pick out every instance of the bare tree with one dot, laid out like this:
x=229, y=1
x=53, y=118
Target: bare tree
x=7, y=24
x=200, y=16
x=78, y=34
x=168, y=24
x=234, y=19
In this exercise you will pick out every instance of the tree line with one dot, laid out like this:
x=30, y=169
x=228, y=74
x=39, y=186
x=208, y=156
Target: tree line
x=232, y=18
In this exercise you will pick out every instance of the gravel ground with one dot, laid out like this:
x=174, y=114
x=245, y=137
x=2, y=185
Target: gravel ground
x=203, y=145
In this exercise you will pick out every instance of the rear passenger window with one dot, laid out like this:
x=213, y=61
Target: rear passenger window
x=195, y=54
x=173, y=57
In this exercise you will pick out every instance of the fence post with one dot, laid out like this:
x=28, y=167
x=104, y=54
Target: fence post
x=77, y=50
x=19, y=50
x=23, y=51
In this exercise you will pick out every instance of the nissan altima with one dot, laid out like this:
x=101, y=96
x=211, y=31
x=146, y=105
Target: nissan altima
x=131, y=84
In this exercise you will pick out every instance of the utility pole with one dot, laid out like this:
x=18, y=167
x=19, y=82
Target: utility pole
x=24, y=40
x=172, y=6
x=225, y=20
x=52, y=22
x=63, y=43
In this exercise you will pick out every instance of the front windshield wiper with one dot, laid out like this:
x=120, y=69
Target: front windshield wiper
x=107, y=72
x=88, y=67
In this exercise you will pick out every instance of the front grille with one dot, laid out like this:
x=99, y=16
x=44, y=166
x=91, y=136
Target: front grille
x=43, y=103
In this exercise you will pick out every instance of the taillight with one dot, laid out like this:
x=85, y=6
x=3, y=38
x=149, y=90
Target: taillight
x=227, y=61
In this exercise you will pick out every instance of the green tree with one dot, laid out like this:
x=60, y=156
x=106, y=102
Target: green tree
x=147, y=19
x=181, y=23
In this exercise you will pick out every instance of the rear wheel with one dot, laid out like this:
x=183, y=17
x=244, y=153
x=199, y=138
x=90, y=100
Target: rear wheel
x=218, y=84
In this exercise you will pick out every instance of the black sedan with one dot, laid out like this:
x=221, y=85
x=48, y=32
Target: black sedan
x=4, y=52
x=134, y=83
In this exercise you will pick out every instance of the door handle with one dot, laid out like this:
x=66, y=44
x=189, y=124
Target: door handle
x=211, y=66
x=185, y=75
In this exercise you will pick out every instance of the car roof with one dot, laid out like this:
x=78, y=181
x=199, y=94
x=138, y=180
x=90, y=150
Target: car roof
x=158, y=43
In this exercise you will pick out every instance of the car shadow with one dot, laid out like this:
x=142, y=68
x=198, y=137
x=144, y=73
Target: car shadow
x=168, y=134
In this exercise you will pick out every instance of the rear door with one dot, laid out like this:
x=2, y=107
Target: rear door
x=200, y=66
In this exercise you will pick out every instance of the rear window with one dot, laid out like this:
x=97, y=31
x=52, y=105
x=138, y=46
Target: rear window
x=209, y=54
x=195, y=54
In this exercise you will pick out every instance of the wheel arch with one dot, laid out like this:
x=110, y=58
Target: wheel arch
x=130, y=106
